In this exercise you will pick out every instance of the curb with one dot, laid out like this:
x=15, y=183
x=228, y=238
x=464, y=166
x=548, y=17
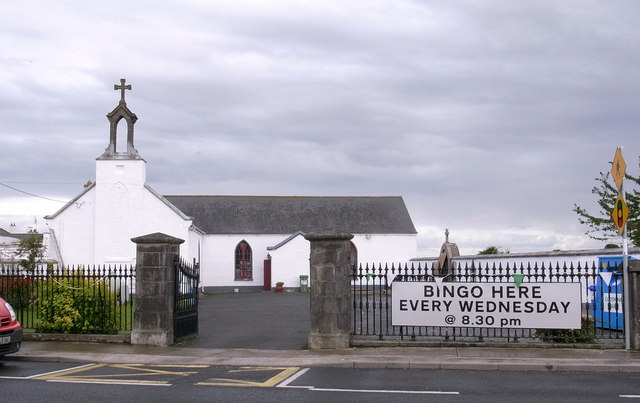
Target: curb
x=82, y=338
x=367, y=342
x=549, y=366
x=605, y=361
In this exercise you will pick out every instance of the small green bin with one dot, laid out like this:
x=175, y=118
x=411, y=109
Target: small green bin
x=304, y=283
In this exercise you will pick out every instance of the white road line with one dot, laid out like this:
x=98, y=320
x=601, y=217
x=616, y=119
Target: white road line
x=292, y=378
x=286, y=382
x=630, y=396
x=406, y=392
x=46, y=373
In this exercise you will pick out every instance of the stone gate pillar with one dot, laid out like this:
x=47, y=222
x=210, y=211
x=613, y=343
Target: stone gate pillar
x=155, y=289
x=634, y=304
x=330, y=290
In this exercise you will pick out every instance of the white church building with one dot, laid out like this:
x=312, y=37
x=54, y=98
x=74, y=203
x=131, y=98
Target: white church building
x=232, y=237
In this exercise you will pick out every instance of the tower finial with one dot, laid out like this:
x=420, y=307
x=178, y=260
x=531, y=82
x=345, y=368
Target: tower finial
x=446, y=235
x=122, y=87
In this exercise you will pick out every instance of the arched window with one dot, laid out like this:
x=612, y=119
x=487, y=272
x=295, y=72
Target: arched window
x=244, y=266
x=121, y=140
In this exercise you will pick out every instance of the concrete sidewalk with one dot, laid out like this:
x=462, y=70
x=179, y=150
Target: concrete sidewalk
x=269, y=329
x=469, y=358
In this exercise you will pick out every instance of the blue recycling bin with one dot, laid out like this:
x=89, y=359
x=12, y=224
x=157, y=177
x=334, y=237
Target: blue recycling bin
x=608, y=297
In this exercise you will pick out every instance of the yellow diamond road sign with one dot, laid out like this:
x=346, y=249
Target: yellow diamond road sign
x=620, y=214
x=618, y=168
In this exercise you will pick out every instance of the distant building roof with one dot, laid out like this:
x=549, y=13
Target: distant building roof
x=558, y=254
x=289, y=214
x=5, y=233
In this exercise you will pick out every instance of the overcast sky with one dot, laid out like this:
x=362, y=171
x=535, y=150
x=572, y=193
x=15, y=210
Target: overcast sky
x=491, y=118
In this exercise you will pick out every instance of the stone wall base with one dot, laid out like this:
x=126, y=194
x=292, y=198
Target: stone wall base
x=152, y=338
x=81, y=338
x=318, y=341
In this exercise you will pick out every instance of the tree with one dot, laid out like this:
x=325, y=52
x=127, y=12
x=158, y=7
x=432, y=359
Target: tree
x=601, y=226
x=492, y=250
x=30, y=252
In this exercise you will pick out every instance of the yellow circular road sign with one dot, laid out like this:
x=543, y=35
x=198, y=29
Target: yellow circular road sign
x=620, y=214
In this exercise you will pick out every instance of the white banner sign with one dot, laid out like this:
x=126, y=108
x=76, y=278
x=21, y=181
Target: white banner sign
x=500, y=305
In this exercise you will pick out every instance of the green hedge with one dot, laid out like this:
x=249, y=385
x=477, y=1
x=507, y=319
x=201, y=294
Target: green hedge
x=76, y=305
x=586, y=334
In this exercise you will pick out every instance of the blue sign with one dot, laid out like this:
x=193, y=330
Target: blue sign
x=608, y=301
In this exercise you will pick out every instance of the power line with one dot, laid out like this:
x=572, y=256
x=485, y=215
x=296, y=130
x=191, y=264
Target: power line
x=31, y=194
x=41, y=183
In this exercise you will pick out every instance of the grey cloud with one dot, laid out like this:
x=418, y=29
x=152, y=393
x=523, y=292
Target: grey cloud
x=490, y=118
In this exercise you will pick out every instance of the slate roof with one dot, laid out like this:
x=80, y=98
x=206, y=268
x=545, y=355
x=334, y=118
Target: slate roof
x=289, y=214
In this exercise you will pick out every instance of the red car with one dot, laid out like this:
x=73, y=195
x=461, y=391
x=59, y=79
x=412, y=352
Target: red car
x=10, y=329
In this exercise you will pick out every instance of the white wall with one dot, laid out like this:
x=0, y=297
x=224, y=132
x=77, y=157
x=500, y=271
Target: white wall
x=385, y=248
x=290, y=260
x=580, y=257
x=156, y=216
x=194, y=248
x=119, y=199
x=217, y=268
x=98, y=227
x=74, y=228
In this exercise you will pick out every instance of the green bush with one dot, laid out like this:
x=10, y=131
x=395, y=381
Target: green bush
x=586, y=334
x=76, y=305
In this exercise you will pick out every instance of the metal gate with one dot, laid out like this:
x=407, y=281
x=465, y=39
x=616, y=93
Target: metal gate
x=185, y=314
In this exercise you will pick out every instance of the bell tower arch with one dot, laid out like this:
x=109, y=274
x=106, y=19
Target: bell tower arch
x=119, y=113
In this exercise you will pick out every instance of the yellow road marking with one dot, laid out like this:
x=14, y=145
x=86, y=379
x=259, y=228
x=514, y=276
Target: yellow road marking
x=140, y=370
x=284, y=373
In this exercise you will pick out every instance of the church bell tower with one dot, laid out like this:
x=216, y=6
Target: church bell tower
x=121, y=112
x=120, y=182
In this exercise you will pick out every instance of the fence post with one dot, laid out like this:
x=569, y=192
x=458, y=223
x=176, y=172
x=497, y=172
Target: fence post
x=330, y=290
x=155, y=289
x=634, y=304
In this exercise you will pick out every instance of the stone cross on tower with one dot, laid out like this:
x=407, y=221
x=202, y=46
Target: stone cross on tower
x=119, y=113
x=122, y=87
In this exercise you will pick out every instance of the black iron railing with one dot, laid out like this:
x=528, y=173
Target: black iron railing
x=602, y=312
x=72, y=299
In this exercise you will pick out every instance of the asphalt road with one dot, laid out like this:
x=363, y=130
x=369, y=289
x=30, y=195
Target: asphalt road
x=256, y=320
x=26, y=381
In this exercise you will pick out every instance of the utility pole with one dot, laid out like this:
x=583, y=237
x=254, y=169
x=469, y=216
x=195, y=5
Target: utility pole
x=620, y=214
